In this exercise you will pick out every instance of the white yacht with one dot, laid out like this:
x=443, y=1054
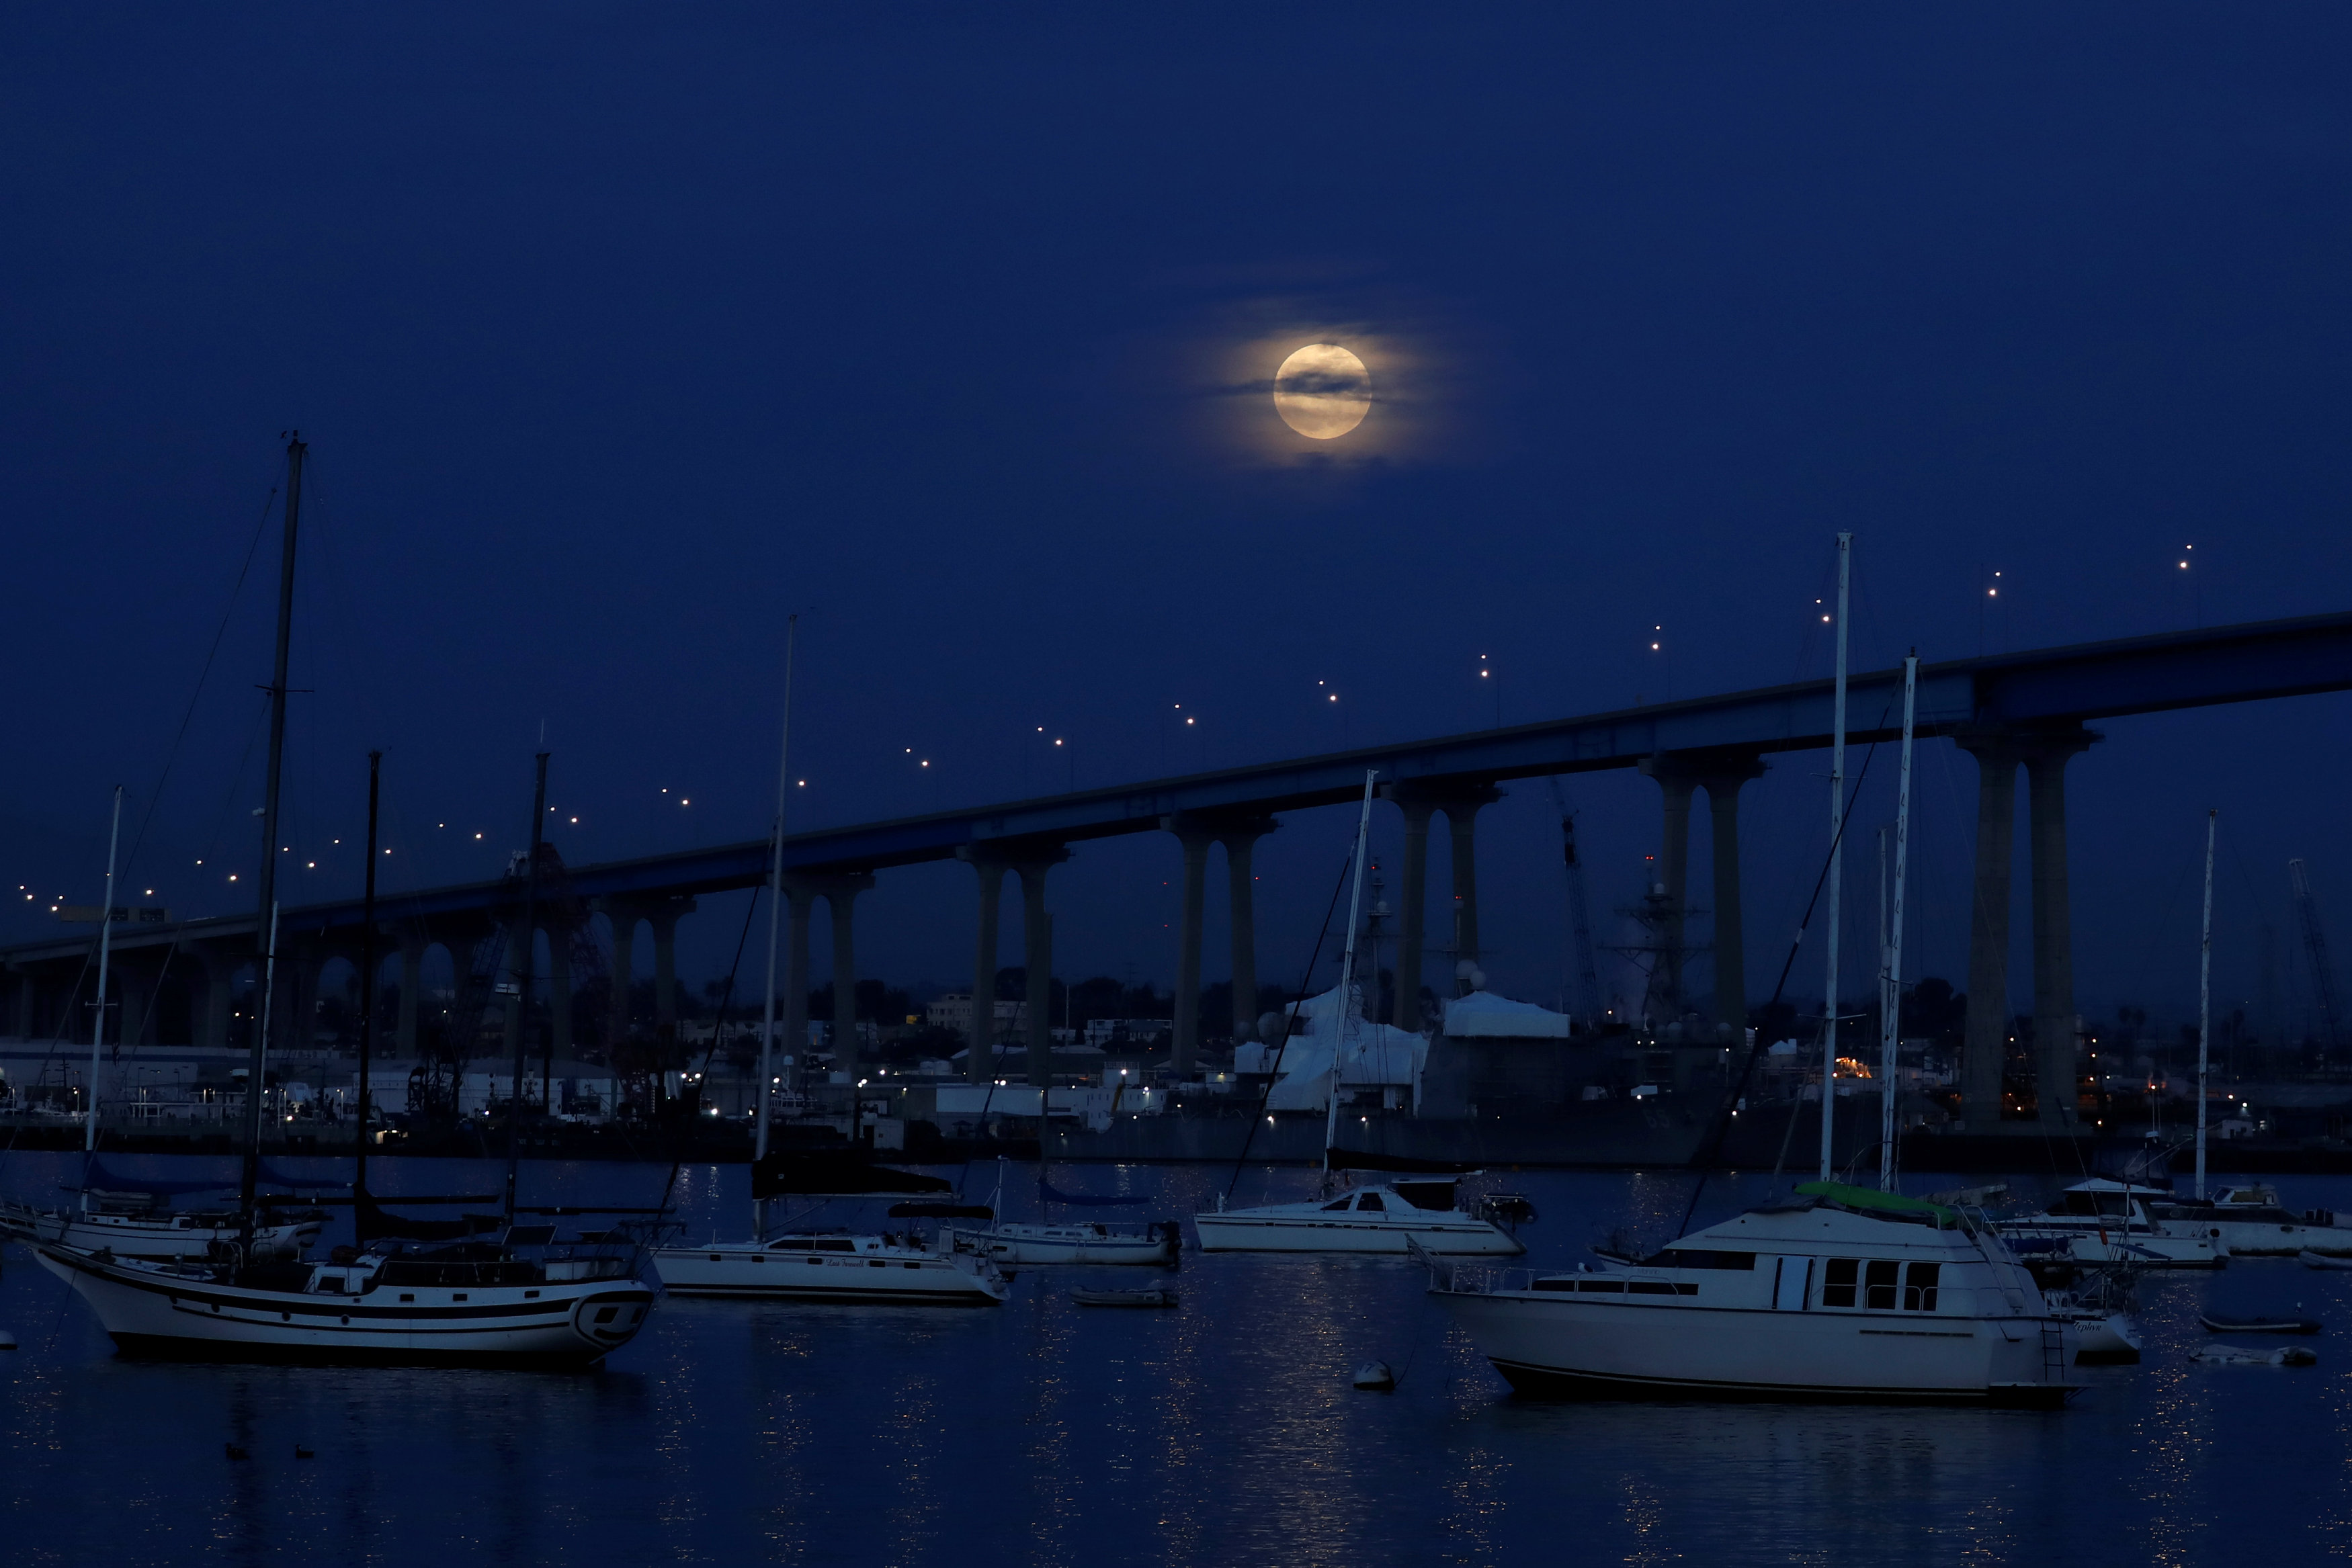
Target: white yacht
x=2104, y=1221
x=832, y=1267
x=1156, y=1245
x=474, y=1304
x=1391, y=1218
x=2248, y=1222
x=1844, y=1294
x=128, y=1225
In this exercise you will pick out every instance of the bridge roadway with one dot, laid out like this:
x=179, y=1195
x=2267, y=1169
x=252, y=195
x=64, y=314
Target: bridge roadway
x=2011, y=711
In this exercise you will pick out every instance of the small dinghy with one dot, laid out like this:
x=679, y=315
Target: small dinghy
x=2310, y=1259
x=1157, y=1296
x=2215, y=1323
x=2250, y=1355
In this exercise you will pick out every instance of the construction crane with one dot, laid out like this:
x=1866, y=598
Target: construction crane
x=2323, y=973
x=1587, y=979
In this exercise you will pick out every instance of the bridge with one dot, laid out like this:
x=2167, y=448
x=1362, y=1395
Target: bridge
x=2026, y=711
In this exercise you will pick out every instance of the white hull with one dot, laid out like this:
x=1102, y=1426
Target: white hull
x=1306, y=1228
x=875, y=1273
x=2157, y=1249
x=1576, y=1344
x=158, y=1238
x=157, y=1311
x=1035, y=1246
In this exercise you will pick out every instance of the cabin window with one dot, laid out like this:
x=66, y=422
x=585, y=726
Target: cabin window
x=1919, y=1288
x=1611, y=1287
x=1878, y=1285
x=457, y=1296
x=333, y=1283
x=407, y=1295
x=1662, y=1287
x=1371, y=1200
x=1837, y=1285
x=1337, y=1207
x=1698, y=1258
x=836, y=1246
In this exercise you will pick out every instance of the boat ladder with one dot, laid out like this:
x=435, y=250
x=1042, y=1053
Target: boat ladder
x=2054, y=1350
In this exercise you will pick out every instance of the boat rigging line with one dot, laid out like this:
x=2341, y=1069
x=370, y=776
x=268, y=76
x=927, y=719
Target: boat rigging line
x=1347, y=980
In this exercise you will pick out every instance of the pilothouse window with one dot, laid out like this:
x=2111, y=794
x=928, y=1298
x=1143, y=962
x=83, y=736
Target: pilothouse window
x=1371, y=1200
x=1837, y=1285
x=1919, y=1288
x=1878, y=1285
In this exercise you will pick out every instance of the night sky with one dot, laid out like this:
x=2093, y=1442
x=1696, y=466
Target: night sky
x=622, y=332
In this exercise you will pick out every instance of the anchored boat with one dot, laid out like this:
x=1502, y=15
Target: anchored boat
x=130, y=1225
x=1846, y=1293
x=2102, y=1221
x=834, y=1267
x=1392, y=1218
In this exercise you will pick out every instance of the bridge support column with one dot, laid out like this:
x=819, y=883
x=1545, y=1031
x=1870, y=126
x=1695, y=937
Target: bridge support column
x=412, y=996
x=2054, y=948
x=1240, y=844
x=1985, y=1046
x=24, y=1001
x=1187, y=1022
x=1730, y=928
x=800, y=904
x=1462, y=811
x=1038, y=940
x=839, y=891
x=304, y=1019
x=1677, y=780
x=664, y=920
x=559, y=993
x=979, y=1063
x=1413, y=909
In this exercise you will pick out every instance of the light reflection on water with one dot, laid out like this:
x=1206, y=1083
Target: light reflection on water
x=1222, y=1432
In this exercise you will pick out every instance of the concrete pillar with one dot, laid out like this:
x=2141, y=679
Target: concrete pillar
x=624, y=918
x=664, y=920
x=24, y=998
x=513, y=967
x=841, y=896
x=1187, y=1043
x=1412, y=900
x=1240, y=894
x=1038, y=940
x=1675, y=782
x=2055, y=1079
x=412, y=997
x=1722, y=785
x=308, y=963
x=140, y=980
x=793, y=1026
x=211, y=1025
x=1462, y=810
x=1985, y=1046
x=979, y=1065
x=559, y=991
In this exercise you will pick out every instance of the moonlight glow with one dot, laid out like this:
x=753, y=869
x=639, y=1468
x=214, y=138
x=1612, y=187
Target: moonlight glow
x=1322, y=392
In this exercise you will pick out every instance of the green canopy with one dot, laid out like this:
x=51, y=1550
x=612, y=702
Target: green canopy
x=1871, y=1198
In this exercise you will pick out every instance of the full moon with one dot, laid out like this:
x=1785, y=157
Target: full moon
x=1322, y=392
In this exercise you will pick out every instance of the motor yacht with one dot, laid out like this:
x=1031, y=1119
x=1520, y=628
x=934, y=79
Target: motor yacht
x=477, y=1304
x=1387, y=1217
x=832, y=1267
x=2102, y=1222
x=2248, y=1222
x=1843, y=1294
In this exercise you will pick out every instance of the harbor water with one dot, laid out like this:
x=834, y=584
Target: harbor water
x=1222, y=1431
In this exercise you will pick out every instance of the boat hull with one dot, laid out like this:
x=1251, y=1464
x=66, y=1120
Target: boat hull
x=933, y=1280
x=1578, y=1347
x=1244, y=1230
x=1039, y=1245
x=149, y=1240
x=152, y=1312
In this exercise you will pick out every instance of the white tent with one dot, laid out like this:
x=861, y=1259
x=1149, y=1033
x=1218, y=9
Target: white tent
x=1370, y=1055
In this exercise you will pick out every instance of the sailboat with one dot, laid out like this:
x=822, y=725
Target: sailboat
x=1156, y=1244
x=1391, y=1217
x=823, y=1265
x=517, y=1299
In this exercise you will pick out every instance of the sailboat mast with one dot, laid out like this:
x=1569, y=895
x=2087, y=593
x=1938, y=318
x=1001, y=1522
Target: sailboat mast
x=1348, y=975
x=1890, y=1016
x=1837, y=860
x=105, y=948
x=272, y=775
x=2205, y=996
x=526, y=960
x=367, y=987
x=775, y=907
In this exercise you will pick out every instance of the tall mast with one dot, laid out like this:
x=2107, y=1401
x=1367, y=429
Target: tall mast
x=528, y=961
x=272, y=775
x=775, y=904
x=1347, y=975
x=1837, y=860
x=105, y=947
x=2205, y=996
x=367, y=989
x=1890, y=1016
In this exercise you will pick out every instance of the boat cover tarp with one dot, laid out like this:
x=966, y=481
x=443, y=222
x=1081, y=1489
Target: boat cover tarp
x=1048, y=1193
x=828, y=1173
x=1401, y=1165
x=1886, y=1202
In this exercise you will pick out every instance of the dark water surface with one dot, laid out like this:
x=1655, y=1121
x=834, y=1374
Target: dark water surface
x=1222, y=1432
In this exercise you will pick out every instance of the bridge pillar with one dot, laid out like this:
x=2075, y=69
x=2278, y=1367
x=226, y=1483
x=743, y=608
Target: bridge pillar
x=210, y=1025
x=839, y=891
x=1186, y=1044
x=304, y=1019
x=1462, y=810
x=2045, y=760
x=1677, y=780
x=1038, y=940
x=140, y=980
x=664, y=920
x=1412, y=900
x=1721, y=775
x=1985, y=1046
x=979, y=1063
x=625, y=917
x=24, y=1001
x=791, y=1019
x=412, y=995
x=559, y=992
x=1240, y=842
